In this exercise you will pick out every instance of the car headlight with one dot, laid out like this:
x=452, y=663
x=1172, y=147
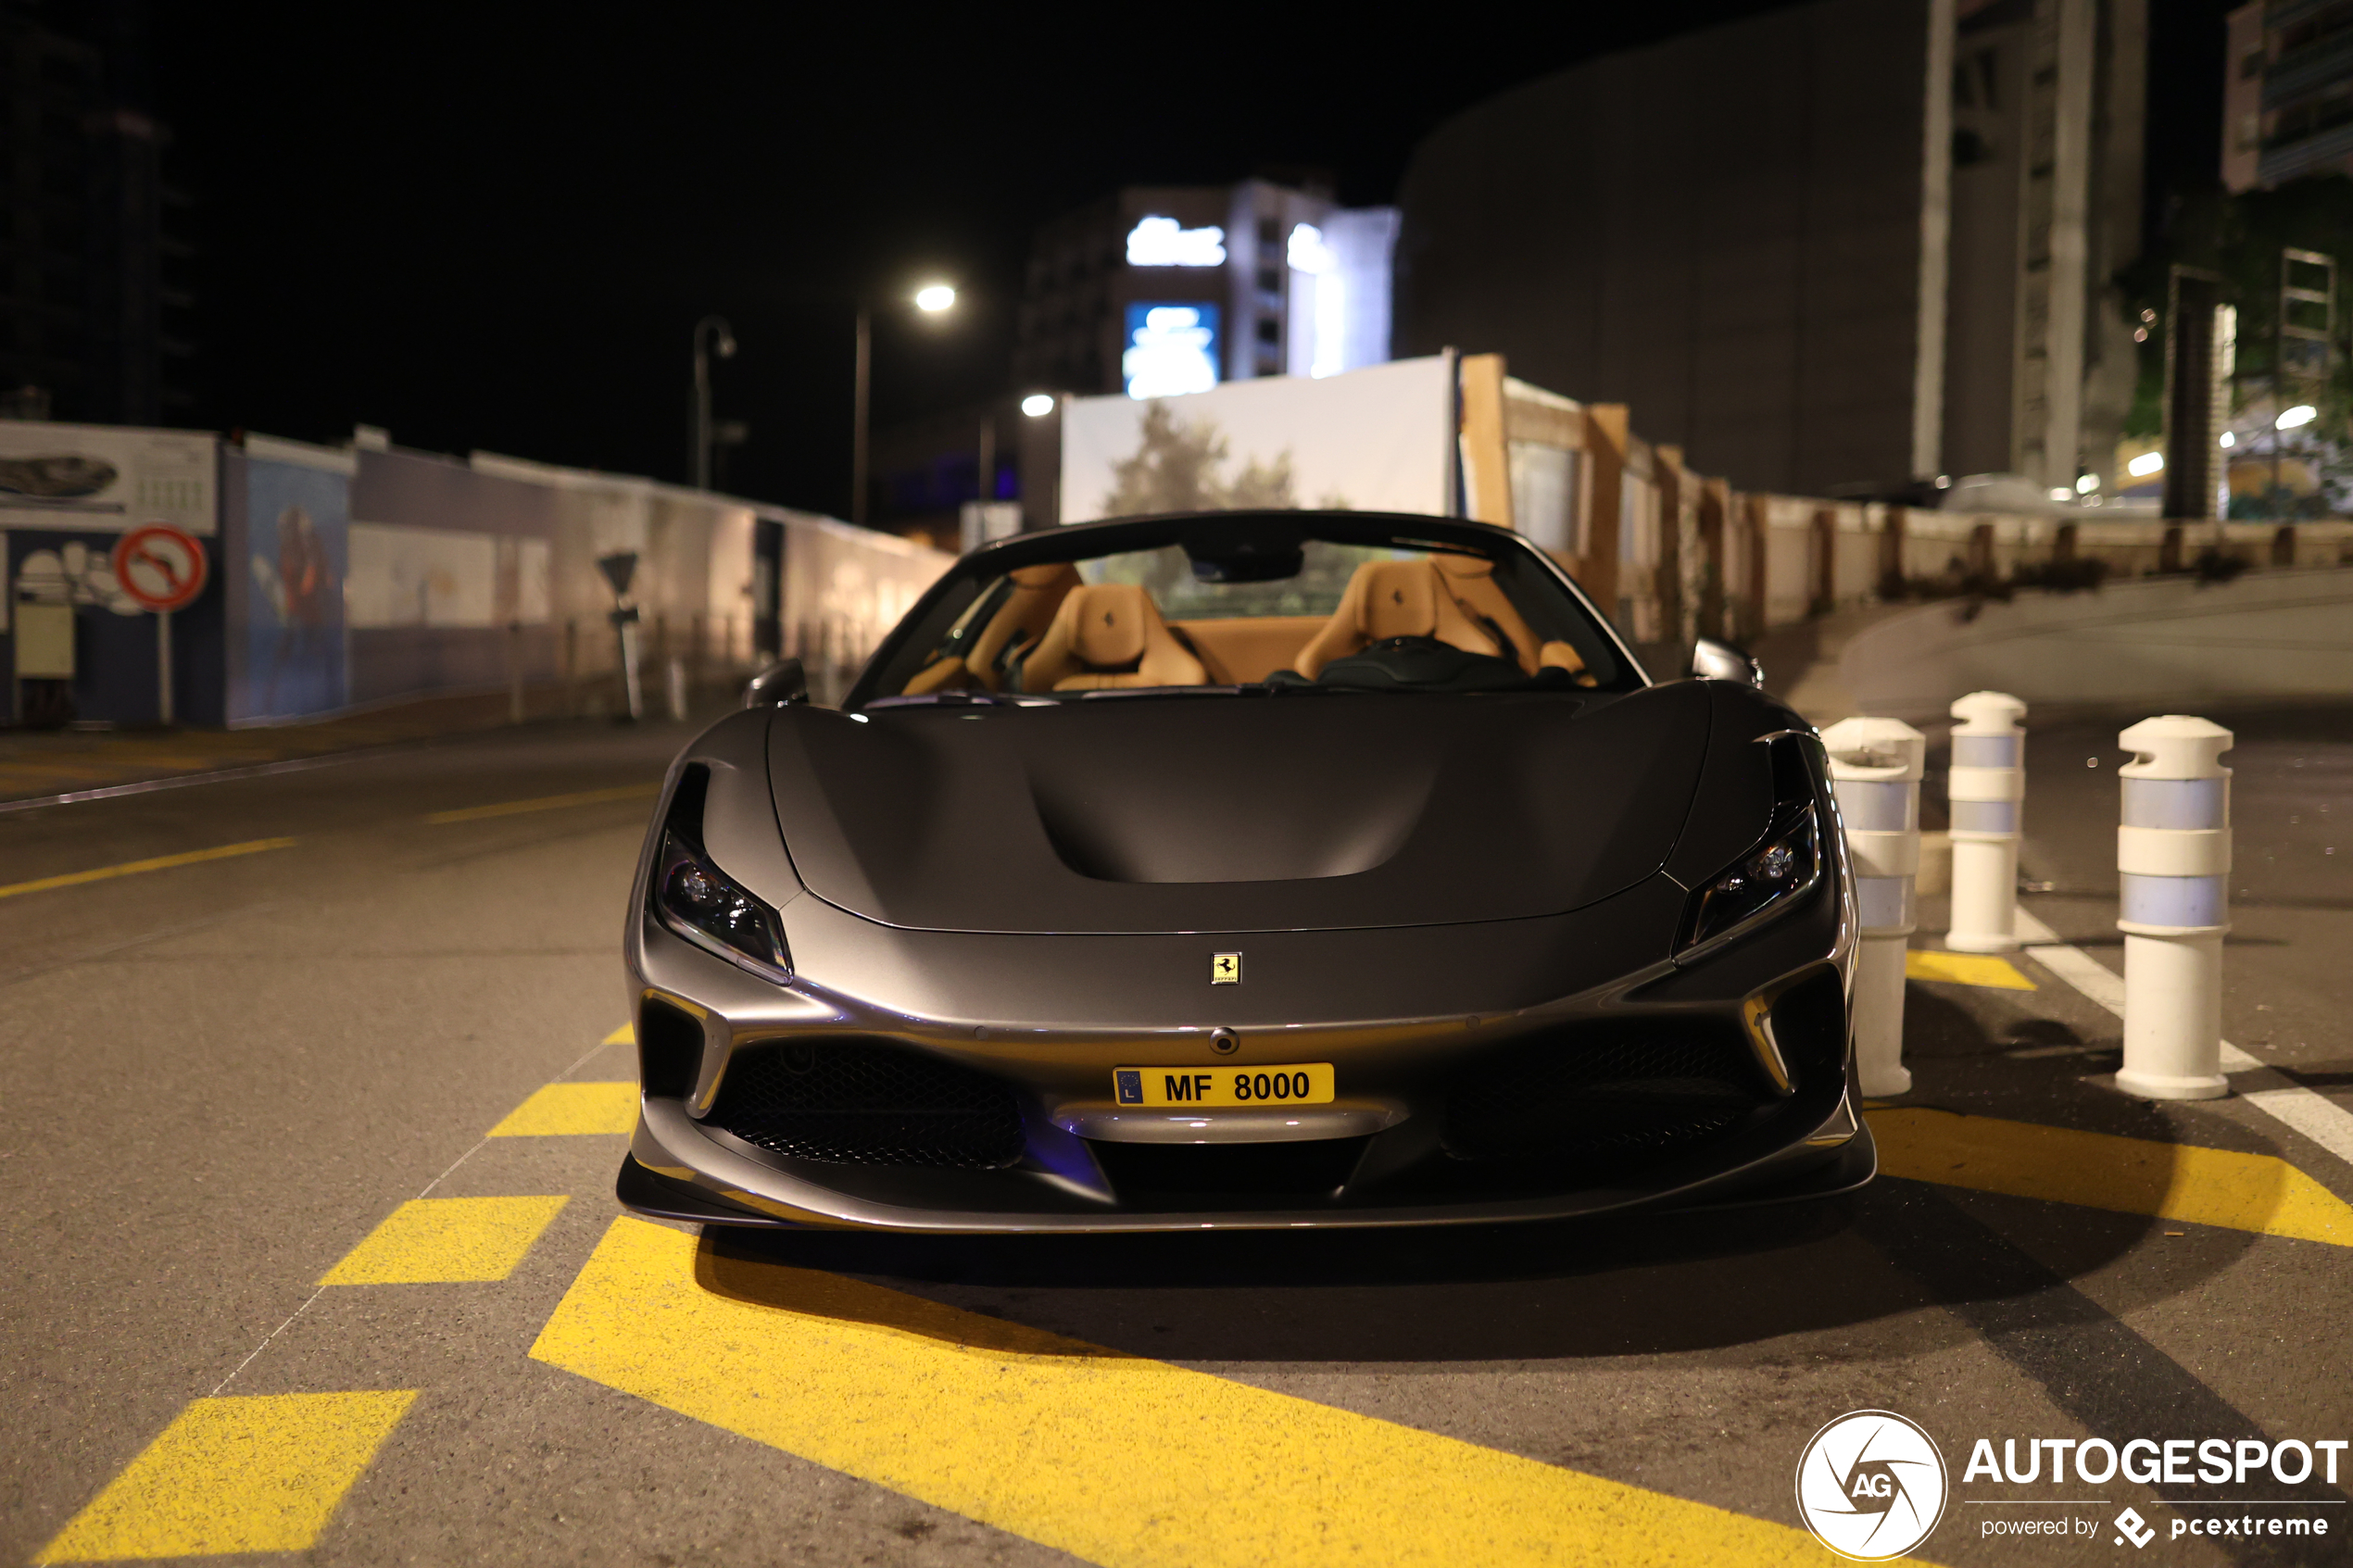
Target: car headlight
x=1786, y=862
x=704, y=905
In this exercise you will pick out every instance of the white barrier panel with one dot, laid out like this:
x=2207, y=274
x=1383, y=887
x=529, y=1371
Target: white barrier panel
x=1986, y=789
x=2173, y=860
x=1875, y=768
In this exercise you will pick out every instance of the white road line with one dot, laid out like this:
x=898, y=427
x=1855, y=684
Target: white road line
x=2307, y=1111
x=429, y=1187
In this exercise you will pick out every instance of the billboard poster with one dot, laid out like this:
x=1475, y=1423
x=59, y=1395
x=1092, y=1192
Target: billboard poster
x=88, y=479
x=297, y=543
x=422, y=577
x=1369, y=440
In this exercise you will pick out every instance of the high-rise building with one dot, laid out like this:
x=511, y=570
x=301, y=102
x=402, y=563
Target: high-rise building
x=1157, y=290
x=2288, y=92
x=89, y=305
x=1842, y=244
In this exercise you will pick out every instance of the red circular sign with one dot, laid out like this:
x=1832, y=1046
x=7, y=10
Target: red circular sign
x=160, y=568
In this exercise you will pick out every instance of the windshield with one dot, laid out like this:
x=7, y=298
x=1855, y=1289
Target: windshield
x=1234, y=610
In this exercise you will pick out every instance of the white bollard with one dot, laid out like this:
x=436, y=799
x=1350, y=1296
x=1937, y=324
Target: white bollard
x=1875, y=769
x=1987, y=783
x=2173, y=860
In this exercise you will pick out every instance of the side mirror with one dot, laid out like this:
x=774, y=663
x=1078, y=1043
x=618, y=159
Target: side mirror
x=781, y=683
x=1721, y=661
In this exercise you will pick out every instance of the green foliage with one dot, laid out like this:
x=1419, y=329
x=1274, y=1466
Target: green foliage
x=1175, y=469
x=2241, y=237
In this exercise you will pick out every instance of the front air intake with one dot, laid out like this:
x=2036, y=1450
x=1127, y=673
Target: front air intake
x=853, y=1103
x=669, y=1048
x=1586, y=1096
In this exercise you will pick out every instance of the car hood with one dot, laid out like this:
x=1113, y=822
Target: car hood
x=1321, y=811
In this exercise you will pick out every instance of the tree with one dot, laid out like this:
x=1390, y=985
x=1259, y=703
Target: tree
x=1174, y=469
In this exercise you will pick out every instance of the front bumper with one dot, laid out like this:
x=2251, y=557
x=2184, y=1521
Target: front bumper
x=1408, y=1017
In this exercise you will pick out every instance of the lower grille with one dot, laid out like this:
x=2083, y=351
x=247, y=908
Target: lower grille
x=1586, y=1097
x=1311, y=1169
x=852, y=1104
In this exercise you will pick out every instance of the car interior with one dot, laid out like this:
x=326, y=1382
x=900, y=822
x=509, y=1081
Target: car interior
x=1045, y=629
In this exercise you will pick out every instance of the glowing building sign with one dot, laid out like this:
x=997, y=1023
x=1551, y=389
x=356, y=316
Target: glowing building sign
x=1172, y=349
x=1159, y=242
x=1307, y=252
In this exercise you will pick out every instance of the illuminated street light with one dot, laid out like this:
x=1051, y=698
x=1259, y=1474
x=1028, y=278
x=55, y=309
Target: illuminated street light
x=2086, y=483
x=2229, y=439
x=2302, y=414
x=1037, y=405
x=2148, y=464
x=932, y=299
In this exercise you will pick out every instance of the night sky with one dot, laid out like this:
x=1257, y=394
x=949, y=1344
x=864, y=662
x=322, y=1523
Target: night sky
x=494, y=227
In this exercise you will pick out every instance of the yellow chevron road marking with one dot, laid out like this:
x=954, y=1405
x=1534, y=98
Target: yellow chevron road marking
x=1122, y=1461
x=625, y=1035
x=2207, y=1187
x=132, y=868
x=562, y=1110
x=257, y=1473
x=448, y=1240
x=1965, y=969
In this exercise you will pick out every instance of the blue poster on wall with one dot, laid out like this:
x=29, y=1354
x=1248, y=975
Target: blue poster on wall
x=296, y=544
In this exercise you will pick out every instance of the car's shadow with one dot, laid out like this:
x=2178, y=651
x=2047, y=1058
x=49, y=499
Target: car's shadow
x=1881, y=1265
x=1889, y=1270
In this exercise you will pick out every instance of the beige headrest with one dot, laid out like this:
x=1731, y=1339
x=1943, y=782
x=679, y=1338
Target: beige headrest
x=1464, y=566
x=1400, y=600
x=1110, y=622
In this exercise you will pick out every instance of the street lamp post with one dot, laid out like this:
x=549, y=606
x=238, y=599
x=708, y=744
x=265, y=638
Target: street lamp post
x=710, y=332
x=857, y=426
x=931, y=299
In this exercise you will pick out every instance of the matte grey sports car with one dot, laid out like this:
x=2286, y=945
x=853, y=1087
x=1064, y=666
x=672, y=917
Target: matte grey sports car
x=1270, y=869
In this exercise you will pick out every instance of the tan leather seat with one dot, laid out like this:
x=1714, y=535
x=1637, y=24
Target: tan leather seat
x=1395, y=598
x=1110, y=634
x=1037, y=593
x=1472, y=580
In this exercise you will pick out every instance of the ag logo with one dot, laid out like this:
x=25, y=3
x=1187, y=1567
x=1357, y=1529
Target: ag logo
x=1225, y=969
x=1871, y=1486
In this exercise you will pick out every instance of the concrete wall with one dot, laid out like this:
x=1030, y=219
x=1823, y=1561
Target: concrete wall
x=2168, y=643
x=1723, y=232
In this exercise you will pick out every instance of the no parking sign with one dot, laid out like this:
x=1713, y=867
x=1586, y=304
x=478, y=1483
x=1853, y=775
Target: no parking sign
x=159, y=567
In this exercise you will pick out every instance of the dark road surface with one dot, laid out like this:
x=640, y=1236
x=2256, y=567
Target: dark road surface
x=231, y=1078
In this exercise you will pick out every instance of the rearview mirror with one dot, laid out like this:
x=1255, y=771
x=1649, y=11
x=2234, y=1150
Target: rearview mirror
x=1721, y=661
x=781, y=683
x=1252, y=550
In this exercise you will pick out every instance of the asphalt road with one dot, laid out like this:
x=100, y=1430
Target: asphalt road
x=373, y=1045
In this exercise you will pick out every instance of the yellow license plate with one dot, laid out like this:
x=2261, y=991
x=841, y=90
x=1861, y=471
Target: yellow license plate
x=1307, y=1082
